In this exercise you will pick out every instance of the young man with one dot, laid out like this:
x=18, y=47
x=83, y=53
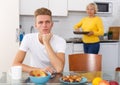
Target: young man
x=48, y=50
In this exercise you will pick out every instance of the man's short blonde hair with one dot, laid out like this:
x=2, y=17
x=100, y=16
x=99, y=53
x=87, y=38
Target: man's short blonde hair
x=94, y=5
x=42, y=11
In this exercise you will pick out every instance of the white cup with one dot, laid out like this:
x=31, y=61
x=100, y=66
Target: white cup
x=16, y=72
x=117, y=76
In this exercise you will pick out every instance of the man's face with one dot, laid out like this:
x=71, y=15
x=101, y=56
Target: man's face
x=44, y=24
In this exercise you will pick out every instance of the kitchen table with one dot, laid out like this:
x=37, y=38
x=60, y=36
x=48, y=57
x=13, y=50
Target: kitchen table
x=5, y=78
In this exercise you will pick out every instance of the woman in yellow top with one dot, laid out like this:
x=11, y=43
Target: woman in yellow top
x=92, y=24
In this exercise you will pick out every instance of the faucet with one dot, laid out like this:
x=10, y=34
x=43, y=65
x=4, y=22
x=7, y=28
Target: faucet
x=31, y=29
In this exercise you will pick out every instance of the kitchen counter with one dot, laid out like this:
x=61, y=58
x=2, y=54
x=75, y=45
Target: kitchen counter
x=79, y=40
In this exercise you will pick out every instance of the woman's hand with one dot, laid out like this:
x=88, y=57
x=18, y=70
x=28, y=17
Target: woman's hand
x=90, y=33
x=77, y=30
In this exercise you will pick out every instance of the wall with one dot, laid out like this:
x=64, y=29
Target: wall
x=63, y=26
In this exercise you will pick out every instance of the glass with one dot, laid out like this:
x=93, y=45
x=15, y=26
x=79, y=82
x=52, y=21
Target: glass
x=117, y=76
x=3, y=77
x=16, y=72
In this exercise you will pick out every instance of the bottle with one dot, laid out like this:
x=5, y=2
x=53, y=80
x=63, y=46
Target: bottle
x=105, y=36
x=21, y=34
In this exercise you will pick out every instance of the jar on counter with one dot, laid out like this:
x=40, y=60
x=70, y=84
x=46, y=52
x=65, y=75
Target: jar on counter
x=110, y=35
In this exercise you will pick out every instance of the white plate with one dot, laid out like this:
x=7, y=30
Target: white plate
x=83, y=80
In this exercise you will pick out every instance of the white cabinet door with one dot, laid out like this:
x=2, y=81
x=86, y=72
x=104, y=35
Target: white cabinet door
x=78, y=5
x=69, y=50
x=78, y=48
x=109, y=53
x=58, y=7
x=27, y=7
x=9, y=21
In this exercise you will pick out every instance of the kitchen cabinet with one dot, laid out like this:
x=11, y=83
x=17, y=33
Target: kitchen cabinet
x=9, y=21
x=27, y=7
x=78, y=48
x=110, y=56
x=78, y=5
x=58, y=7
x=69, y=50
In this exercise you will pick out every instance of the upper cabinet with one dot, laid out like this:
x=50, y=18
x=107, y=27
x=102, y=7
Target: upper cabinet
x=58, y=8
x=78, y=5
x=27, y=7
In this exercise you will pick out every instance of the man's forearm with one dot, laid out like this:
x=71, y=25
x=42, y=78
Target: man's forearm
x=57, y=63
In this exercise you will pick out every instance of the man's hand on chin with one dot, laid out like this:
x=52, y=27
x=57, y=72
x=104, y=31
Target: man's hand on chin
x=46, y=37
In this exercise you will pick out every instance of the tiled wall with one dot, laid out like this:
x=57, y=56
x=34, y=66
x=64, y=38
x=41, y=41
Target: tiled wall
x=63, y=26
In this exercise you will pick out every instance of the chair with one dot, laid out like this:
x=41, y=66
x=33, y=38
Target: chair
x=117, y=69
x=85, y=62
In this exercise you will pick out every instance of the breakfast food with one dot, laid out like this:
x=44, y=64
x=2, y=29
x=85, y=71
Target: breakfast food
x=72, y=78
x=100, y=81
x=113, y=82
x=103, y=82
x=96, y=80
x=38, y=73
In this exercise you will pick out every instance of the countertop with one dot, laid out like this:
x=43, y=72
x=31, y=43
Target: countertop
x=79, y=40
